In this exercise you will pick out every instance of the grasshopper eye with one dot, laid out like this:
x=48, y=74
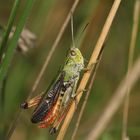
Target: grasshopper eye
x=72, y=52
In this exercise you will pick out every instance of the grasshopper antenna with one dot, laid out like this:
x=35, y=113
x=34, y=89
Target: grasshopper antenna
x=83, y=30
x=73, y=42
x=72, y=34
x=85, y=27
x=81, y=33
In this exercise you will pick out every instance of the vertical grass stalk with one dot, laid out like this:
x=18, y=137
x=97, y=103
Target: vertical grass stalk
x=3, y=45
x=130, y=63
x=9, y=27
x=13, y=42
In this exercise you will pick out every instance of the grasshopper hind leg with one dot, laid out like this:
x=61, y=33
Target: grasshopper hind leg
x=33, y=102
x=58, y=122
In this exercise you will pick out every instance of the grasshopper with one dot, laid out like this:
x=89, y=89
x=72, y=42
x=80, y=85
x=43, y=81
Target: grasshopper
x=52, y=106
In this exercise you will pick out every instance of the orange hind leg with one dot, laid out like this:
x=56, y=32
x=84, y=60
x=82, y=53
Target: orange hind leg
x=57, y=123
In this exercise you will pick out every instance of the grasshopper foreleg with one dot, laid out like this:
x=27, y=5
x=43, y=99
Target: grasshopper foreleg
x=75, y=97
x=90, y=67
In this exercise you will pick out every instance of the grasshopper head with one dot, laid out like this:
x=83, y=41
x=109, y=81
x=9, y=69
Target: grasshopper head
x=75, y=57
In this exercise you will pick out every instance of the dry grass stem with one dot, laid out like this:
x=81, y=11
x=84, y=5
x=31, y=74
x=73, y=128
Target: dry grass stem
x=115, y=102
x=85, y=102
x=93, y=59
x=13, y=126
x=48, y=58
x=130, y=62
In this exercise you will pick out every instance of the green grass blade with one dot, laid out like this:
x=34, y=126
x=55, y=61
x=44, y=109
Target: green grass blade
x=9, y=27
x=13, y=42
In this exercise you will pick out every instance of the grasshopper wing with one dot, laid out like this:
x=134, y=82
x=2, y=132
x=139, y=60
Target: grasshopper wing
x=47, y=101
x=66, y=102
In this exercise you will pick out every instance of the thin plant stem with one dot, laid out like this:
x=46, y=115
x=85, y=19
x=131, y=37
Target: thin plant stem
x=130, y=63
x=3, y=44
x=13, y=126
x=13, y=42
x=2, y=104
x=3, y=88
x=55, y=44
x=93, y=60
x=85, y=101
x=115, y=102
x=9, y=27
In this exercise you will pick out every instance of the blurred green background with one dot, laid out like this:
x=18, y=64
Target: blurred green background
x=45, y=21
